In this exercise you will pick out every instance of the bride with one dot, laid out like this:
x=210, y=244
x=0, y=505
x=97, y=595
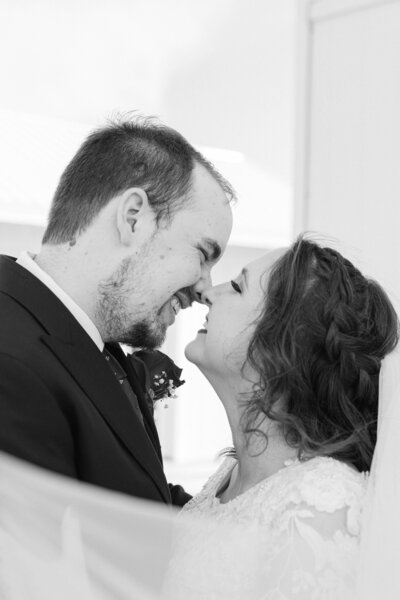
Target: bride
x=293, y=348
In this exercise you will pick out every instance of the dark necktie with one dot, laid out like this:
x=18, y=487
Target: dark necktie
x=122, y=378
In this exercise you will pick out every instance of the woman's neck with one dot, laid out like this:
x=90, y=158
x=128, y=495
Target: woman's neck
x=257, y=461
x=263, y=455
x=259, y=455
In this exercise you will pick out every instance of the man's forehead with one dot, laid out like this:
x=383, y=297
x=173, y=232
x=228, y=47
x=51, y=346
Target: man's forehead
x=209, y=215
x=206, y=186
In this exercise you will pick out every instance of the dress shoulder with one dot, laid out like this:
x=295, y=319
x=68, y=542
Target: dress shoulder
x=315, y=487
x=329, y=484
x=299, y=528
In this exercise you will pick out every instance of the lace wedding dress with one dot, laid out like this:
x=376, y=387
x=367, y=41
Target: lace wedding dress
x=293, y=536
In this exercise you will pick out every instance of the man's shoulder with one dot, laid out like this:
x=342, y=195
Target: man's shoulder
x=20, y=330
x=13, y=312
x=9, y=265
x=7, y=258
x=16, y=283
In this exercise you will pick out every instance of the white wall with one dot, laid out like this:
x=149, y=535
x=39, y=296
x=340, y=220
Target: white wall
x=220, y=71
x=16, y=237
x=349, y=150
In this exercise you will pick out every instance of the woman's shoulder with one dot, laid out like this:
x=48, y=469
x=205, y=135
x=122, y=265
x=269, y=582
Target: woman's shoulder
x=327, y=483
x=317, y=488
x=323, y=485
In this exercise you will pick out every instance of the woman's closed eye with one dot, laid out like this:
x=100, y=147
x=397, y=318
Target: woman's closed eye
x=236, y=287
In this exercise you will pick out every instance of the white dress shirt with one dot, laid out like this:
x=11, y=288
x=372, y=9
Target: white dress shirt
x=26, y=260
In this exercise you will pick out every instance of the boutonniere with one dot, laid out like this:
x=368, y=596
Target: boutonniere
x=163, y=376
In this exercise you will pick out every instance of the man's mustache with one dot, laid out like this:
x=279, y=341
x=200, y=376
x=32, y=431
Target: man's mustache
x=186, y=297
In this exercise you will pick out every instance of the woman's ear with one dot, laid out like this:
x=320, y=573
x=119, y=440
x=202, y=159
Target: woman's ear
x=133, y=206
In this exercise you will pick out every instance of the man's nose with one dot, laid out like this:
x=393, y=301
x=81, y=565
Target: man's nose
x=203, y=284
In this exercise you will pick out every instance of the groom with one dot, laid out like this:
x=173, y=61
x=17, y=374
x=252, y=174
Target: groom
x=137, y=222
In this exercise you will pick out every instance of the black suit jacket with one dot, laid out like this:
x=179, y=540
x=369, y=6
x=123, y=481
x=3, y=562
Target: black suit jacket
x=61, y=406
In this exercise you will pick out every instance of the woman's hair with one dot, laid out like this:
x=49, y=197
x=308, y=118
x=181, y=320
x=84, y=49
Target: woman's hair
x=317, y=348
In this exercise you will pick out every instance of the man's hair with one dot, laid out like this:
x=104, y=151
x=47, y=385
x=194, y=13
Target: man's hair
x=126, y=153
x=317, y=349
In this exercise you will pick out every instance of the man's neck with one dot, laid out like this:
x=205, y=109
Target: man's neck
x=66, y=270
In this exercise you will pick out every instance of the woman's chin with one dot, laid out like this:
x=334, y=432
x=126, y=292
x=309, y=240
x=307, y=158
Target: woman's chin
x=194, y=351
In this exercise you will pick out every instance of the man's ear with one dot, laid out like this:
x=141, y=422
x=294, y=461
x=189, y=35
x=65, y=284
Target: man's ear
x=133, y=206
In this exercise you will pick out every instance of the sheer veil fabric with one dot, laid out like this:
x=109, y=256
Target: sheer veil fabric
x=379, y=573
x=63, y=539
x=60, y=539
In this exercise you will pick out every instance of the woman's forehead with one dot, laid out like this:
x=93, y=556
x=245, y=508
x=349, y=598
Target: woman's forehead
x=265, y=263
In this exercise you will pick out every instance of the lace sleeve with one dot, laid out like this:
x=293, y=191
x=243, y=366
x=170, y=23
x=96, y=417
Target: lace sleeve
x=312, y=555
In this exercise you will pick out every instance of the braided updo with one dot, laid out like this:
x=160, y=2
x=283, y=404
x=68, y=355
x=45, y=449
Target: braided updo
x=317, y=348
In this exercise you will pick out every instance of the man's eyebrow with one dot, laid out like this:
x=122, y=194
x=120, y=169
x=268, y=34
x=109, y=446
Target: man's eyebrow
x=213, y=247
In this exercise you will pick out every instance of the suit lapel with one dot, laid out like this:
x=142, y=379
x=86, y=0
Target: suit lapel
x=81, y=357
x=135, y=371
x=86, y=365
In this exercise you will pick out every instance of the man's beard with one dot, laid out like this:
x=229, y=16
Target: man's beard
x=146, y=335
x=116, y=318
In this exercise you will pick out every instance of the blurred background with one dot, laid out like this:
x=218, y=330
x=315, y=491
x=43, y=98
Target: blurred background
x=295, y=102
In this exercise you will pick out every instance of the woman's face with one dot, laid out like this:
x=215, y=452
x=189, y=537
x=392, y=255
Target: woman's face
x=220, y=347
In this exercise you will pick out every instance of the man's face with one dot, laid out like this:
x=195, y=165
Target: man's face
x=142, y=297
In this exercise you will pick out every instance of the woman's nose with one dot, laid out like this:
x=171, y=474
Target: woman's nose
x=206, y=297
x=209, y=295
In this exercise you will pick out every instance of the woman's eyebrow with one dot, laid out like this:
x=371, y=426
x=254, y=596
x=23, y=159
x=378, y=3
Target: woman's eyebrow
x=245, y=274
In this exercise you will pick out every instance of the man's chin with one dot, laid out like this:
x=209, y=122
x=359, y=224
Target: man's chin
x=145, y=337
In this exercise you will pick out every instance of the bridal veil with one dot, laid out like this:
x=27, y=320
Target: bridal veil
x=61, y=539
